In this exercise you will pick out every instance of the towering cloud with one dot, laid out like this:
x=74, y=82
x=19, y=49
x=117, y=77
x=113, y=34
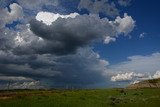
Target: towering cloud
x=69, y=32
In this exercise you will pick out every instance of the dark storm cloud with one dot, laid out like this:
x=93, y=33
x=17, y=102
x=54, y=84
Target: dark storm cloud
x=26, y=65
x=65, y=36
x=6, y=39
x=84, y=67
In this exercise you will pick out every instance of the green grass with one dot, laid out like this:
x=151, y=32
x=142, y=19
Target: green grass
x=81, y=98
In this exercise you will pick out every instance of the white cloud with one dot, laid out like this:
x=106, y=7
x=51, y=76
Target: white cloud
x=124, y=25
x=7, y=17
x=142, y=35
x=156, y=75
x=139, y=64
x=16, y=12
x=135, y=82
x=128, y=76
x=122, y=77
x=18, y=39
x=146, y=77
x=48, y=17
x=141, y=67
x=139, y=75
x=109, y=39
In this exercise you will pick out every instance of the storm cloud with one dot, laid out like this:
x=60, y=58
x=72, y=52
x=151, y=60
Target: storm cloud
x=56, y=50
x=83, y=68
x=66, y=35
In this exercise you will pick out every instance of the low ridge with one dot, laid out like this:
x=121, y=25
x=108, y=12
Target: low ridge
x=151, y=83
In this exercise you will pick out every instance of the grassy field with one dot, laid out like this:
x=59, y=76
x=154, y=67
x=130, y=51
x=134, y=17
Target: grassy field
x=81, y=98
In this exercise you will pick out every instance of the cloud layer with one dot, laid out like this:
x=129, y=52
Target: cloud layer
x=139, y=63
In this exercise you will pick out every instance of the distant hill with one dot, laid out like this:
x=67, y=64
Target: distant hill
x=151, y=83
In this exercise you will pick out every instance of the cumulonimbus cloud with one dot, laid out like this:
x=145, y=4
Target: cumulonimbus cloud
x=56, y=50
x=69, y=32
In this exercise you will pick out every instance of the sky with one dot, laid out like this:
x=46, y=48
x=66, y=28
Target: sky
x=78, y=43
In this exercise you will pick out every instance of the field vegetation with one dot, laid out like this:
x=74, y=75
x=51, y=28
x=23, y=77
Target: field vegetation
x=149, y=97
